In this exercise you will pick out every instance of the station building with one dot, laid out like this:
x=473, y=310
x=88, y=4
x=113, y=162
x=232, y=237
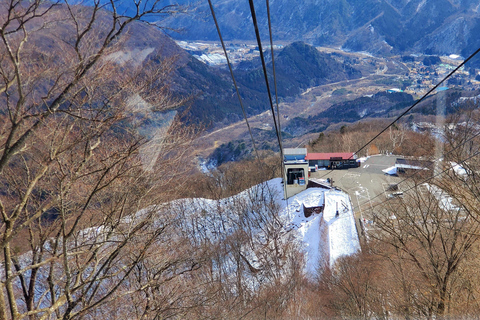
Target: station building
x=298, y=162
x=296, y=170
x=333, y=160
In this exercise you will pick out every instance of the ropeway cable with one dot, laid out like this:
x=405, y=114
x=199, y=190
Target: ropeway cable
x=413, y=105
x=233, y=78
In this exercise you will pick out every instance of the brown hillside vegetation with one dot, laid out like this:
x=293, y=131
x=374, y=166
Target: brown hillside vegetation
x=72, y=164
x=398, y=140
x=92, y=225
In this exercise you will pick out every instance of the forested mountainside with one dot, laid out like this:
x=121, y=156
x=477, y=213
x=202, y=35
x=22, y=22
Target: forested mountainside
x=381, y=104
x=377, y=26
x=209, y=92
x=298, y=67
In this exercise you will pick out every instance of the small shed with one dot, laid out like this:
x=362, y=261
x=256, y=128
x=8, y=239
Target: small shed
x=308, y=211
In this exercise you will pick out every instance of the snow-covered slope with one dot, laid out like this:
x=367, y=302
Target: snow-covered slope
x=324, y=237
x=246, y=241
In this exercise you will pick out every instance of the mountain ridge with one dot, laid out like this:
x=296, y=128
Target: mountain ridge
x=376, y=26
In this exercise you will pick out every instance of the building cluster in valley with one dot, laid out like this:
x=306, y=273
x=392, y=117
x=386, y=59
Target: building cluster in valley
x=423, y=76
x=211, y=53
x=417, y=72
x=328, y=225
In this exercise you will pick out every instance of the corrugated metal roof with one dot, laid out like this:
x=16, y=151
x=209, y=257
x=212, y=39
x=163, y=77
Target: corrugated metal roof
x=328, y=156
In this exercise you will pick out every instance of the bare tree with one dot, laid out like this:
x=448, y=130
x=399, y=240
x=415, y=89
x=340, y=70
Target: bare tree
x=461, y=167
x=355, y=289
x=427, y=239
x=252, y=267
x=71, y=171
x=397, y=135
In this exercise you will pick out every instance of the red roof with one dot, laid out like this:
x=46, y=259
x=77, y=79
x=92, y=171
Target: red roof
x=328, y=156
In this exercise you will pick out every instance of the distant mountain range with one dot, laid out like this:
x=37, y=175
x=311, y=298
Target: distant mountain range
x=376, y=26
x=299, y=66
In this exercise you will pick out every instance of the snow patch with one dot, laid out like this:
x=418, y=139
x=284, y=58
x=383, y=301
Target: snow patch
x=446, y=202
x=363, y=159
x=458, y=169
x=391, y=170
x=135, y=56
x=421, y=5
x=213, y=59
x=362, y=113
x=455, y=57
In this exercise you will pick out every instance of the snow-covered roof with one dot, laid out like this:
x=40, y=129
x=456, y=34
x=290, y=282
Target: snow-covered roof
x=325, y=237
x=295, y=151
x=395, y=90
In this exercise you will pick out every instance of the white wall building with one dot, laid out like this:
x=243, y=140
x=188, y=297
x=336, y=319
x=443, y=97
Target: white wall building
x=296, y=171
